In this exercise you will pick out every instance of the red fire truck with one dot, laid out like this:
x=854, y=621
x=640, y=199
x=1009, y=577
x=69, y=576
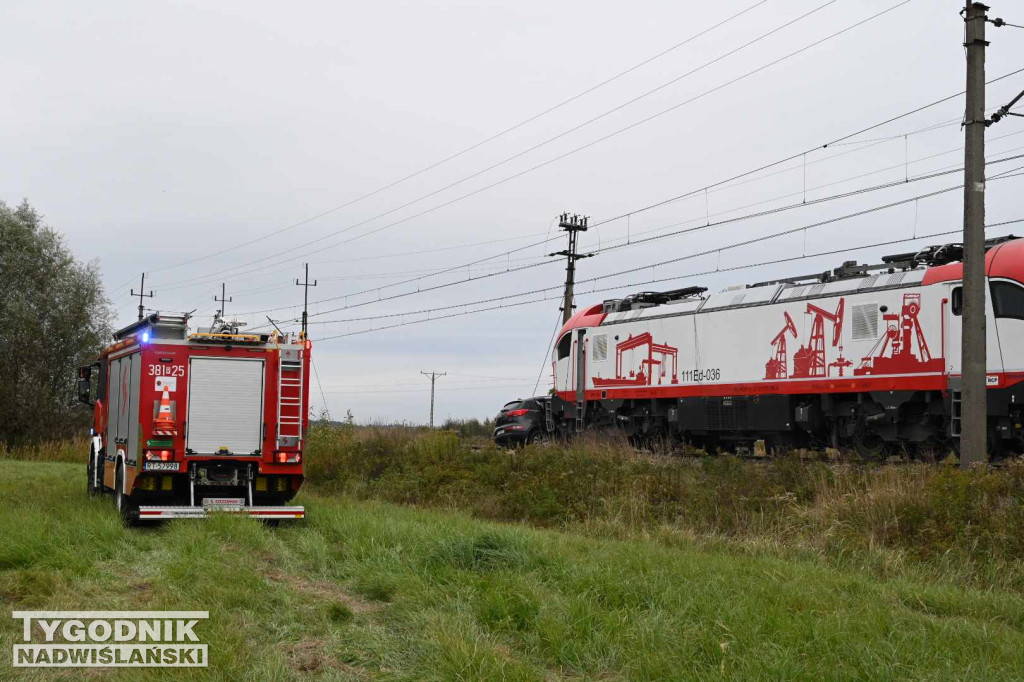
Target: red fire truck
x=186, y=424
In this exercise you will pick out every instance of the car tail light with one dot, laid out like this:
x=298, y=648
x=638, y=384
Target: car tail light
x=288, y=457
x=516, y=413
x=159, y=455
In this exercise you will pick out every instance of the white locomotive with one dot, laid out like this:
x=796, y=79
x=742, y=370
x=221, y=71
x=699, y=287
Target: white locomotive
x=867, y=355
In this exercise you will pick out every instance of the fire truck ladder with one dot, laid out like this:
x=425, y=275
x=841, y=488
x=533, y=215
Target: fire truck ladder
x=290, y=408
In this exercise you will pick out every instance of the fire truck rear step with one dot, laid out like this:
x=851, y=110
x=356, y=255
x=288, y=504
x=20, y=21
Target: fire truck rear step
x=161, y=513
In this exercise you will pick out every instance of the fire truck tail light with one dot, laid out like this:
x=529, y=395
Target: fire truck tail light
x=159, y=455
x=288, y=457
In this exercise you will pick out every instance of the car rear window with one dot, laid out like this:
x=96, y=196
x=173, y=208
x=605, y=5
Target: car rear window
x=515, y=404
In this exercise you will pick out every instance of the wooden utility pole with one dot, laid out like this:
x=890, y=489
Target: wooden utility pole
x=434, y=376
x=573, y=224
x=974, y=423
x=141, y=295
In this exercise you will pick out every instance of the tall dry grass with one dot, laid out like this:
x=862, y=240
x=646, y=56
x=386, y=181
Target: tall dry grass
x=914, y=512
x=64, y=450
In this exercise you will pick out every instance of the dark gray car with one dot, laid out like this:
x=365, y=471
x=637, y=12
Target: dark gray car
x=520, y=422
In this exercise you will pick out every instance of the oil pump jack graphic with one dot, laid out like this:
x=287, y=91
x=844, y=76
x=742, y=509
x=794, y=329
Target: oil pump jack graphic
x=777, y=367
x=892, y=353
x=649, y=364
x=810, y=360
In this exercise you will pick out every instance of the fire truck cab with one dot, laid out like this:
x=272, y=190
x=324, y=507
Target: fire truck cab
x=187, y=424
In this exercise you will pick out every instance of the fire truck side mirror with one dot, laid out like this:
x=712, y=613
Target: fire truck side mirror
x=85, y=385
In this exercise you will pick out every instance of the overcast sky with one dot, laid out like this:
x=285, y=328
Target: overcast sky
x=154, y=135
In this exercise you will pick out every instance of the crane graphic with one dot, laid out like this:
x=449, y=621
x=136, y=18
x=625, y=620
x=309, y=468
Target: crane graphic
x=810, y=360
x=893, y=352
x=654, y=360
x=777, y=367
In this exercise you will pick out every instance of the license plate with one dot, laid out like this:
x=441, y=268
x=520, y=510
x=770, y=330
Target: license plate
x=160, y=466
x=223, y=501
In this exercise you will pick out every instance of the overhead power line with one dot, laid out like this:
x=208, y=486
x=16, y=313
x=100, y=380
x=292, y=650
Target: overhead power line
x=694, y=192
x=708, y=225
x=778, y=261
x=789, y=231
x=866, y=144
x=810, y=202
x=420, y=390
x=476, y=145
x=560, y=156
x=793, y=157
x=708, y=252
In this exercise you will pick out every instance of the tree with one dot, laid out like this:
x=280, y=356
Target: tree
x=54, y=318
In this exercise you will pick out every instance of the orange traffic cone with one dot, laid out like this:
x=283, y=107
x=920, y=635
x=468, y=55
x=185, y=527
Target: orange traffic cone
x=163, y=425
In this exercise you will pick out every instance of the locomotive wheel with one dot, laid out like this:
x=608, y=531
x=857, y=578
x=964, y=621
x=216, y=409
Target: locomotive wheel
x=869, y=446
x=995, y=445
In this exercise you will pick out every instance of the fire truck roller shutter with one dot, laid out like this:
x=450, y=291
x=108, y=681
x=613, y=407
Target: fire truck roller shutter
x=225, y=405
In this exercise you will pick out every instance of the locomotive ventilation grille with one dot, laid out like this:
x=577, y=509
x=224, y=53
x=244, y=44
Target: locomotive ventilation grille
x=865, y=321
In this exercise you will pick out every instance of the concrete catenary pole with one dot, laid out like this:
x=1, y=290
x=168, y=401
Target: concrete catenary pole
x=223, y=300
x=434, y=376
x=974, y=428
x=573, y=224
x=141, y=295
x=305, y=301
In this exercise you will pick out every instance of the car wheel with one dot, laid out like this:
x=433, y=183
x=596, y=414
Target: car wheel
x=536, y=437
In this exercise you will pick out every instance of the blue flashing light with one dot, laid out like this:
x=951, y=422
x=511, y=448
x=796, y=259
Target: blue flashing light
x=145, y=337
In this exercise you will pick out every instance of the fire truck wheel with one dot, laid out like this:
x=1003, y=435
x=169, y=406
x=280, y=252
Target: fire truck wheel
x=125, y=507
x=90, y=471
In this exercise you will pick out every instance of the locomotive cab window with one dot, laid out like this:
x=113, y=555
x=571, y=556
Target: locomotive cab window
x=1008, y=300
x=957, y=304
x=564, y=345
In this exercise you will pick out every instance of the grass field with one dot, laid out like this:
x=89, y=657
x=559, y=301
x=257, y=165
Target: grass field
x=367, y=589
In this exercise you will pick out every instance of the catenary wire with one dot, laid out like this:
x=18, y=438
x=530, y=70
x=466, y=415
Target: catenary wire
x=694, y=192
x=544, y=361
x=717, y=250
x=476, y=145
x=327, y=410
x=565, y=154
x=677, y=277
x=702, y=227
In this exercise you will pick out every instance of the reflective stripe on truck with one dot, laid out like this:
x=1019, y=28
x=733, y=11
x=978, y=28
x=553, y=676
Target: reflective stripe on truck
x=160, y=513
